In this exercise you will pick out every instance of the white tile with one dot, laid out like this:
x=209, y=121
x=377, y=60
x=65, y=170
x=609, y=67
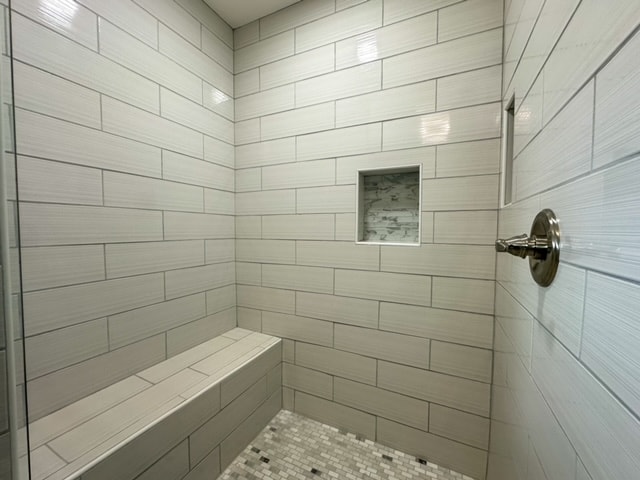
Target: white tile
x=478, y=228
x=610, y=334
x=122, y=48
x=352, y=311
x=189, y=335
x=300, y=174
x=387, y=104
x=347, y=167
x=46, y=137
x=335, y=414
x=76, y=382
x=453, y=91
x=219, y=251
x=298, y=67
x=51, y=426
x=218, y=152
x=412, y=289
x=338, y=254
x=395, y=10
x=266, y=299
x=217, y=49
x=249, y=227
x=191, y=226
x=307, y=380
x=132, y=191
x=217, y=101
x=298, y=227
x=69, y=224
x=175, y=18
x=265, y=251
x=461, y=361
x=174, y=464
x=326, y=199
x=346, y=227
x=47, y=50
x=471, y=123
x=342, y=4
x=129, y=327
x=137, y=258
x=246, y=35
x=247, y=131
x=577, y=55
x=469, y=261
x=404, y=349
x=265, y=103
x=182, y=111
x=467, y=53
x=266, y=153
x=461, y=193
x=48, y=267
x=209, y=19
x=50, y=309
x=402, y=37
x=216, y=201
x=303, y=329
x=460, y=393
x=306, y=279
x=42, y=92
x=248, y=180
x=340, y=84
x=603, y=432
x=55, y=350
x=221, y=299
x=246, y=83
x=265, y=51
x=616, y=120
x=298, y=122
x=274, y=202
x=198, y=279
x=380, y=402
x=469, y=17
x=343, y=24
x=527, y=122
x=444, y=452
x=250, y=319
x=446, y=325
x=182, y=168
x=249, y=273
x=130, y=122
x=293, y=16
x=75, y=22
x=43, y=462
x=129, y=17
x=336, y=362
x=568, y=137
x=194, y=60
x=460, y=426
x=602, y=202
x=468, y=158
x=53, y=182
x=468, y=295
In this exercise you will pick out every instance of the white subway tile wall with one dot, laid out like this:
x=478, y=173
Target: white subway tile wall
x=565, y=398
x=401, y=334
x=125, y=123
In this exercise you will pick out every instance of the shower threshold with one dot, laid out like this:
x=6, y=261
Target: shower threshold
x=294, y=447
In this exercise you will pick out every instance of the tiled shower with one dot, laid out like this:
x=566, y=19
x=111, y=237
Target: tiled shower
x=177, y=178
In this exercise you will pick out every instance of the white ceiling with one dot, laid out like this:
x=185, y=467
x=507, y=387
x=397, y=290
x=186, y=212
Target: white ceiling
x=240, y=12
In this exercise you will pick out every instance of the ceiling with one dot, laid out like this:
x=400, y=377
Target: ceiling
x=240, y=12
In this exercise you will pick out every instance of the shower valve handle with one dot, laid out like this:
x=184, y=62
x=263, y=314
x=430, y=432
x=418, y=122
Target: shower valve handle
x=524, y=246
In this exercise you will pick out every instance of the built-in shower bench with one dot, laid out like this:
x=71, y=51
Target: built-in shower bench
x=188, y=415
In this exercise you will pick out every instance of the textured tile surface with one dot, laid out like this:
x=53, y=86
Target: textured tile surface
x=293, y=446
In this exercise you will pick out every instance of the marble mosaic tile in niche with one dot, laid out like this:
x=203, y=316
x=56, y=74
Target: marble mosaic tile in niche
x=391, y=208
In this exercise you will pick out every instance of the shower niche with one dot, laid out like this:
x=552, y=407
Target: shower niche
x=389, y=205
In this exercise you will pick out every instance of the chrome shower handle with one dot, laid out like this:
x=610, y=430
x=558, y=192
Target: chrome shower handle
x=524, y=246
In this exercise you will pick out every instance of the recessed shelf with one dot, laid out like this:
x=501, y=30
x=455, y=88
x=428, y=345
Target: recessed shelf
x=388, y=207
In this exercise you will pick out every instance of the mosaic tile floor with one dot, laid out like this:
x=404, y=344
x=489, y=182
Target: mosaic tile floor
x=295, y=447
